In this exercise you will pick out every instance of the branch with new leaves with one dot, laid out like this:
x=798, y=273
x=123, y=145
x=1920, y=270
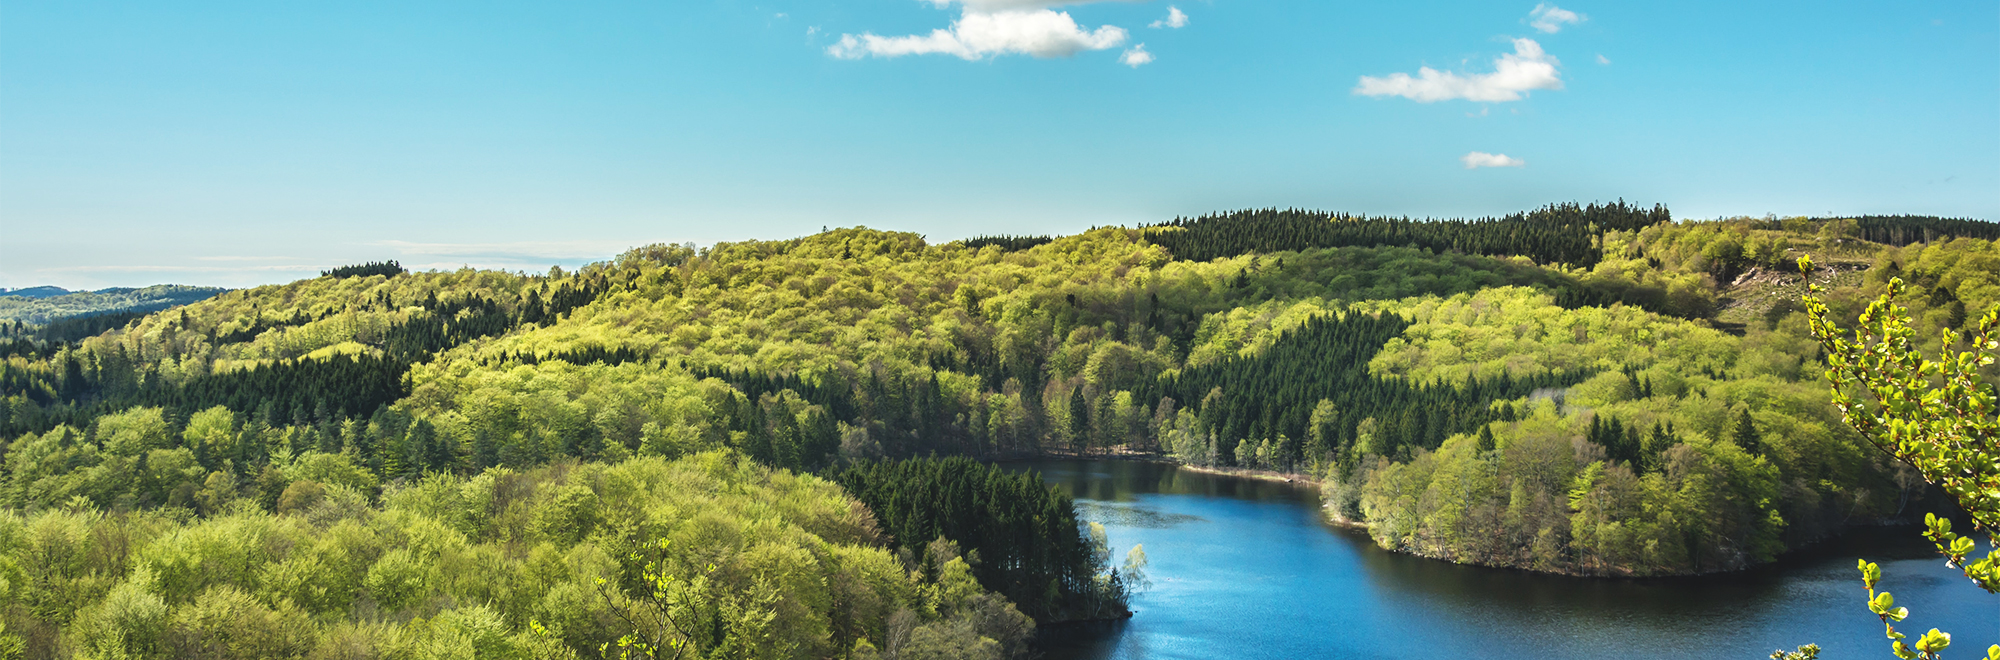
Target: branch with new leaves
x=1939, y=416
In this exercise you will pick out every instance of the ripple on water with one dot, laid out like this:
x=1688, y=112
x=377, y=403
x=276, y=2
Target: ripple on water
x=1132, y=515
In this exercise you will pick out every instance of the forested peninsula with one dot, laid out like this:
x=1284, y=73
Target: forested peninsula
x=782, y=448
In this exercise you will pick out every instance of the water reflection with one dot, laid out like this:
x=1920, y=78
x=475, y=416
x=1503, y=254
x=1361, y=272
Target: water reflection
x=1244, y=568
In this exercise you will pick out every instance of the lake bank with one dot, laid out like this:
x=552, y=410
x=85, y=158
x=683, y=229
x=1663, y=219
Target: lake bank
x=1248, y=568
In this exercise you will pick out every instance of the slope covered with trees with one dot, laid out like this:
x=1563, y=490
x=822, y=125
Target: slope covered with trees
x=1550, y=390
x=1022, y=531
x=551, y=562
x=42, y=310
x=1558, y=233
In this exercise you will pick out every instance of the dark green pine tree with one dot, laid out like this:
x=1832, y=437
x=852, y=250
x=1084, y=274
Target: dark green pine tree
x=1746, y=433
x=1632, y=447
x=1661, y=439
x=440, y=453
x=1079, y=419
x=418, y=448
x=485, y=451
x=1486, y=442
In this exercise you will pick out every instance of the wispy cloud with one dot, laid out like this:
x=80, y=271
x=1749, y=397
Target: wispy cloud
x=1135, y=56
x=1550, y=19
x=129, y=268
x=1514, y=74
x=1601, y=59
x=1478, y=159
x=530, y=251
x=979, y=34
x=1175, y=19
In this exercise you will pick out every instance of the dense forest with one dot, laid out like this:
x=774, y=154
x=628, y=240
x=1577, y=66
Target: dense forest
x=1590, y=389
x=1900, y=230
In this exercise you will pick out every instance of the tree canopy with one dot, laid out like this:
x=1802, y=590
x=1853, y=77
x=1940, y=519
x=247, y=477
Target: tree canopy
x=1589, y=389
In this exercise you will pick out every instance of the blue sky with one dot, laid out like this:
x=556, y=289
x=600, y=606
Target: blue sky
x=237, y=143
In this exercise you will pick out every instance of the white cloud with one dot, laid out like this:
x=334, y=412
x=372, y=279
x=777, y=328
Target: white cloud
x=989, y=6
x=1601, y=59
x=1478, y=159
x=1550, y=18
x=978, y=34
x=1175, y=19
x=1526, y=68
x=1135, y=56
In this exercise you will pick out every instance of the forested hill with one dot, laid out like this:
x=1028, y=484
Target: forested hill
x=1592, y=389
x=43, y=305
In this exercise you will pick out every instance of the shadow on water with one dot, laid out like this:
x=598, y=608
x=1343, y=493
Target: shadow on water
x=1246, y=568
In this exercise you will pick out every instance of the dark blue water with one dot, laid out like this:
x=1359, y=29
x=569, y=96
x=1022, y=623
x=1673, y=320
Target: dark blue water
x=1245, y=568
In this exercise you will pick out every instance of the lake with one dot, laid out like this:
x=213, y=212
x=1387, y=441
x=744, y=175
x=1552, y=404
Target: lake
x=1246, y=568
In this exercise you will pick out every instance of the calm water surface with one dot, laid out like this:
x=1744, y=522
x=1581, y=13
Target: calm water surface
x=1245, y=568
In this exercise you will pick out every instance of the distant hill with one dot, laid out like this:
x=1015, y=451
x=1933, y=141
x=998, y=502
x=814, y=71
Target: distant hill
x=44, y=304
x=36, y=292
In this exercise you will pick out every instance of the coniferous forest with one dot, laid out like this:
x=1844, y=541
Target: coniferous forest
x=786, y=448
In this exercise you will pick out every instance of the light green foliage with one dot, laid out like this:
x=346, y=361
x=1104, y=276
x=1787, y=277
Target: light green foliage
x=240, y=329
x=766, y=564
x=132, y=432
x=1806, y=652
x=1662, y=444
x=1519, y=332
x=329, y=469
x=211, y=433
x=1679, y=286
x=1951, y=281
x=533, y=413
x=1247, y=331
x=130, y=621
x=1097, y=311
x=1548, y=497
x=1938, y=416
x=60, y=465
x=1928, y=646
x=1946, y=285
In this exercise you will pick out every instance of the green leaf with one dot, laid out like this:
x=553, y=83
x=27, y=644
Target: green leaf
x=1934, y=641
x=1881, y=603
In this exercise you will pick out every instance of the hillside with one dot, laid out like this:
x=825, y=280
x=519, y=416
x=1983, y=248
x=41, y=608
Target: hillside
x=35, y=292
x=47, y=304
x=1577, y=389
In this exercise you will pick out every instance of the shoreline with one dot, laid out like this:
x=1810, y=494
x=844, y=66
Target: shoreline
x=1262, y=475
x=1294, y=478
x=1327, y=517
